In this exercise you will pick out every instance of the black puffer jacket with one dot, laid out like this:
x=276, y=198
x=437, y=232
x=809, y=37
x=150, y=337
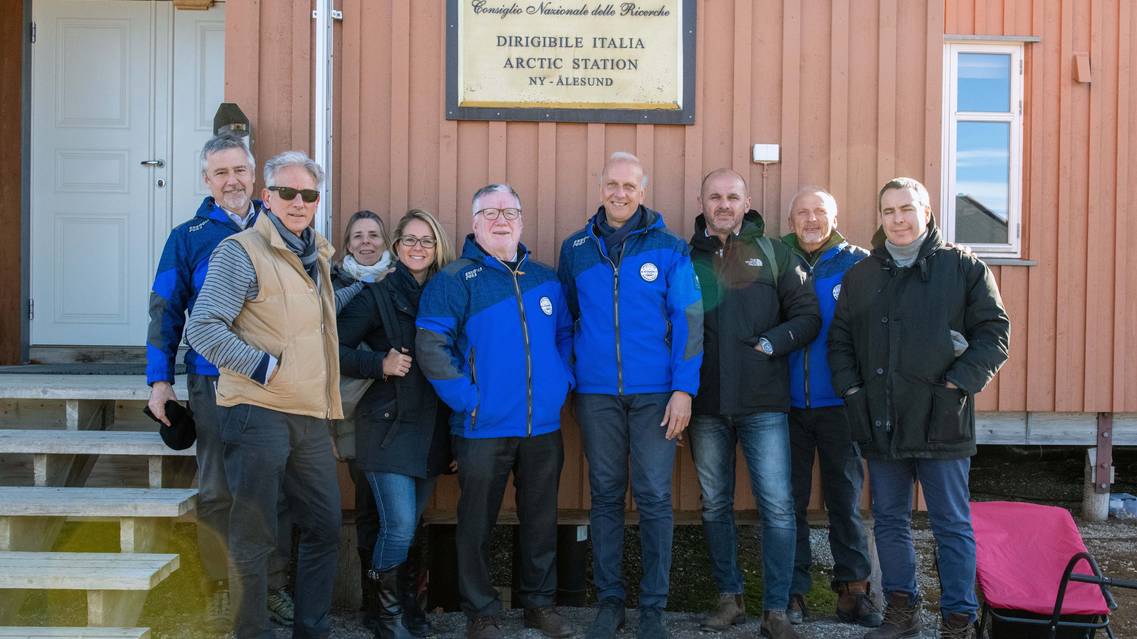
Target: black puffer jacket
x=401, y=427
x=742, y=304
x=891, y=336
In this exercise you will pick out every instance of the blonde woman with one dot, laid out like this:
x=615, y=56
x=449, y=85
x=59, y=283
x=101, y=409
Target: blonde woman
x=402, y=436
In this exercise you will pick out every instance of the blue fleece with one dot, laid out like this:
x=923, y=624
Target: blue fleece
x=181, y=272
x=826, y=275
x=473, y=320
x=654, y=343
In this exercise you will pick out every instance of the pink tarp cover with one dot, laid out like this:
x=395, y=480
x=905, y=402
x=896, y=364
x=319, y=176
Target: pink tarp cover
x=1021, y=550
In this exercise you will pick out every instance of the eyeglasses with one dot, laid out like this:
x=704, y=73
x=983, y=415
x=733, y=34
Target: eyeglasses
x=491, y=214
x=410, y=241
x=288, y=194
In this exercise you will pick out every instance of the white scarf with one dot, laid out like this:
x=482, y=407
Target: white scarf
x=363, y=273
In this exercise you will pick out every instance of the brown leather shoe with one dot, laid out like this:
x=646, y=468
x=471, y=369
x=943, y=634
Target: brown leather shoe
x=730, y=611
x=901, y=618
x=957, y=626
x=775, y=625
x=855, y=605
x=549, y=622
x=486, y=627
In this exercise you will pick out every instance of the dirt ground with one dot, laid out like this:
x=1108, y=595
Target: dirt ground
x=1049, y=476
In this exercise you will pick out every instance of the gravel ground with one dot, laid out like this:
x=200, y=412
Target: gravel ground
x=1044, y=476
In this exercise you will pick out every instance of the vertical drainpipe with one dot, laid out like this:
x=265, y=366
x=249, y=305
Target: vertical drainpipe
x=322, y=110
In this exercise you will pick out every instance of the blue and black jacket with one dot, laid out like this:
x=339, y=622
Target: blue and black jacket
x=496, y=344
x=811, y=384
x=181, y=272
x=639, y=320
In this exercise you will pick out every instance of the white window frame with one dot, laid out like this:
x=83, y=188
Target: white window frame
x=1013, y=247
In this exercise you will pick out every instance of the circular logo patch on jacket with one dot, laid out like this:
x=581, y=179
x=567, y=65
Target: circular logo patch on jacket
x=649, y=272
x=546, y=306
x=836, y=291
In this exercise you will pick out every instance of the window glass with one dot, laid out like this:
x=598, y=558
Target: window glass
x=982, y=182
x=984, y=82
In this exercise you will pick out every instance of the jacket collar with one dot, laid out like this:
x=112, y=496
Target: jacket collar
x=211, y=210
x=835, y=243
x=652, y=219
x=932, y=243
x=264, y=227
x=753, y=227
x=472, y=251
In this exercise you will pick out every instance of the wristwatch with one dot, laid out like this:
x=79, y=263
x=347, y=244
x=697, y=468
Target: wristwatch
x=765, y=346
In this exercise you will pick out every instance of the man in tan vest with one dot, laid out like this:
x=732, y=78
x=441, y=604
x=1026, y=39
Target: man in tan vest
x=266, y=317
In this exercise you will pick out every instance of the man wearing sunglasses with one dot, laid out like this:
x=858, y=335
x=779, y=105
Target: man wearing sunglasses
x=494, y=339
x=638, y=346
x=266, y=317
x=227, y=168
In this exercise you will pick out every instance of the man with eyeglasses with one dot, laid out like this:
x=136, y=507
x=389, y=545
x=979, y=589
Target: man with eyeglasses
x=638, y=346
x=227, y=168
x=266, y=317
x=495, y=340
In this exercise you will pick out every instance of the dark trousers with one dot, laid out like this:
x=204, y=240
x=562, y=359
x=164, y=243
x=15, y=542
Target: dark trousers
x=366, y=516
x=484, y=466
x=267, y=452
x=842, y=475
x=213, y=498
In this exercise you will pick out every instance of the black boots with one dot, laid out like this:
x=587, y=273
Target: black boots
x=370, y=591
x=389, y=604
x=414, y=617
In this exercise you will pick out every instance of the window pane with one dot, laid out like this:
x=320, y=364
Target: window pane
x=984, y=82
x=982, y=182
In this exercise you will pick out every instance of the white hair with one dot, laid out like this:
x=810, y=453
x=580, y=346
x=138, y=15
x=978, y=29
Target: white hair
x=293, y=158
x=624, y=156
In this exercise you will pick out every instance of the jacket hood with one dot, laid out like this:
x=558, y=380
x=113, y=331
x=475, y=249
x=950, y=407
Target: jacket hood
x=471, y=250
x=753, y=227
x=651, y=219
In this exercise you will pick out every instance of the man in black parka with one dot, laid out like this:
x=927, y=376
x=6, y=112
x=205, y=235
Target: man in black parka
x=918, y=331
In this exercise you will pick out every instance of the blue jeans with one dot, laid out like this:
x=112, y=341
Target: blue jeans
x=399, y=500
x=765, y=443
x=949, y=512
x=615, y=428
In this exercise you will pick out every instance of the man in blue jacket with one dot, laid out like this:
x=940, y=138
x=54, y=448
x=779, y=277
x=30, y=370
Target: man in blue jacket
x=495, y=340
x=638, y=345
x=817, y=421
x=227, y=167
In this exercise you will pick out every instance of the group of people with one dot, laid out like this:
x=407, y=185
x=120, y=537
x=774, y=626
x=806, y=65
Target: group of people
x=792, y=347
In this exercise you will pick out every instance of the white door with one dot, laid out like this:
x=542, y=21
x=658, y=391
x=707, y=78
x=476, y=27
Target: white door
x=199, y=44
x=118, y=88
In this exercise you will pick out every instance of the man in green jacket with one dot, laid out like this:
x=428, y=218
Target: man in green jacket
x=918, y=331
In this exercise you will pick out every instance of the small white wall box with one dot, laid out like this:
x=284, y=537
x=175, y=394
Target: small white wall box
x=766, y=153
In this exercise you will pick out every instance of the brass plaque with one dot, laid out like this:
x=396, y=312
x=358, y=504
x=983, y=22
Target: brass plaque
x=571, y=61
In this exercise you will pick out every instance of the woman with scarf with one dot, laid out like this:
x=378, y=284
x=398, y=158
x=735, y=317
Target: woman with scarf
x=366, y=259
x=402, y=431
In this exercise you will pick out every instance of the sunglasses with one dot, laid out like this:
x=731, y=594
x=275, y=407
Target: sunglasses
x=288, y=194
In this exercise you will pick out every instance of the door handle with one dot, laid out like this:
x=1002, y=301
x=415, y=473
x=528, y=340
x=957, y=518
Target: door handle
x=154, y=163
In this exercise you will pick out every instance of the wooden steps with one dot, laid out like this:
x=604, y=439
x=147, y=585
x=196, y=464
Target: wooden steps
x=116, y=584
x=85, y=632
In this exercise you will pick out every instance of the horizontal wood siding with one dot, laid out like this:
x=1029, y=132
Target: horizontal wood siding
x=852, y=91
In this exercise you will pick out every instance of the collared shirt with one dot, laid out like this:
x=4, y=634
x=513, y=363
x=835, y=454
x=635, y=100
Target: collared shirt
x=242, y=222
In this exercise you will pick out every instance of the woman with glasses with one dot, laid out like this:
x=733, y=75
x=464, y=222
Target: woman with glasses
x=402, y=431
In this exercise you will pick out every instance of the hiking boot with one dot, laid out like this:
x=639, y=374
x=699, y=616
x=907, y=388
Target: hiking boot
x=775, y=625
x=651, y=624
x=855, y=605
x=484, y=627
x=549, y=622
x=901, y=618
x=218, y=612
x=796, y=612
x=280, y=607
x=731, y=611
x=610, y=617
x=958, y=625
